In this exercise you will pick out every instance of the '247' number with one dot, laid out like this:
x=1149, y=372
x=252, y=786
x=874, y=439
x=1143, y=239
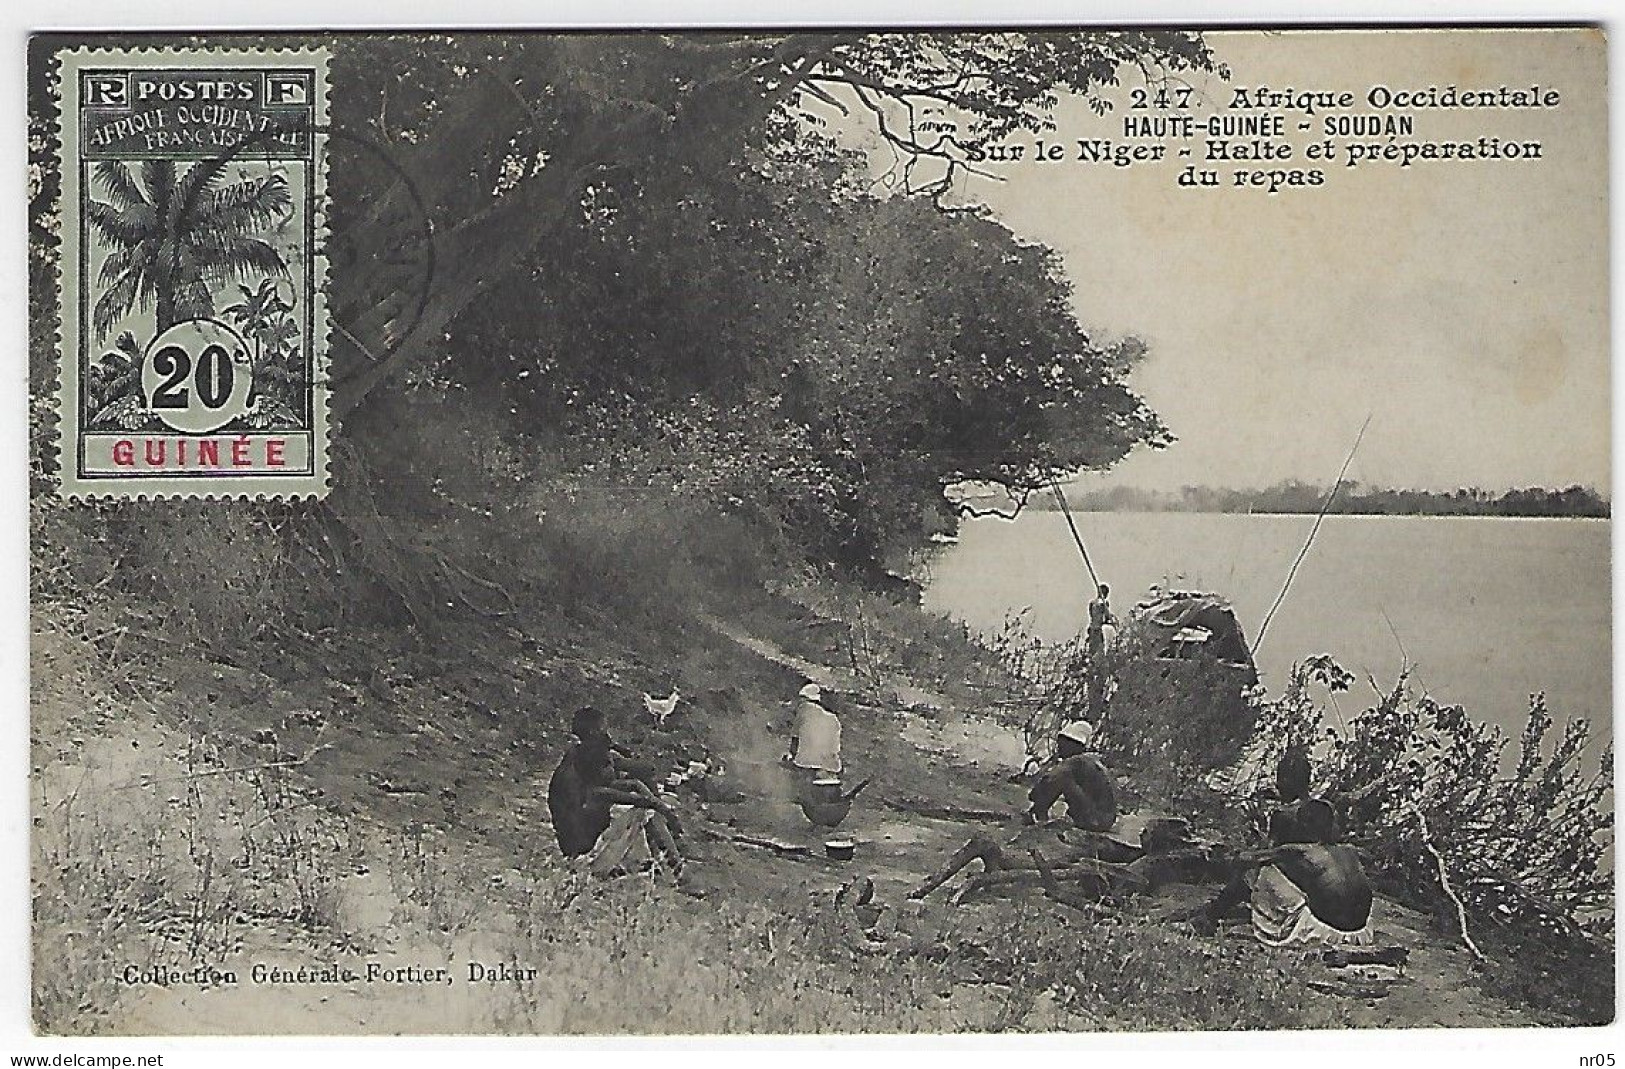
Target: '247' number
x=1162, y=100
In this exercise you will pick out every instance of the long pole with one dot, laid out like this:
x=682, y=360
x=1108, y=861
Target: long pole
x=1096, y=679
x=1060, y=498
x=1325, y=506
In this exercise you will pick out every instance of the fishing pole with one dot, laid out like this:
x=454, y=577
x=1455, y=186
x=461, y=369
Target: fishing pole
x=1325, y=506
x=1066, y=512
x=1060, y=499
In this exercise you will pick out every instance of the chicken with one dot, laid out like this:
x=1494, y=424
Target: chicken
x=660, y=708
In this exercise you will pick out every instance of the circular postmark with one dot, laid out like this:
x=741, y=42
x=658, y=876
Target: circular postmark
x=381, y=262
x=379, y=244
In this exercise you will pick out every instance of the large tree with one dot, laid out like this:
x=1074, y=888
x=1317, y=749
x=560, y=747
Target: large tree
x=782, y=342
x=644, y=248
x=175, y=234
x=504, y=140
x=655, y=223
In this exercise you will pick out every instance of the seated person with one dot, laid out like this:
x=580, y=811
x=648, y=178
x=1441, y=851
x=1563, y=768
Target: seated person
x=1308, y=888
x=1292, y=774
x=1296, y=818
x=600, y=812
x=1080, y=778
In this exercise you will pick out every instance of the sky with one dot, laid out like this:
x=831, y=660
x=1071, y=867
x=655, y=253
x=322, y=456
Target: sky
x=1462, y=305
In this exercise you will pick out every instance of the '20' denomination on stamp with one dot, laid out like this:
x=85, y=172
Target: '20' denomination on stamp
x=194, y=325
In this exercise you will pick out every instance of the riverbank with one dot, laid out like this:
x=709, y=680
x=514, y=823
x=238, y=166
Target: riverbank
x=1479, y=612
x=1298, y=498
x=362, y=798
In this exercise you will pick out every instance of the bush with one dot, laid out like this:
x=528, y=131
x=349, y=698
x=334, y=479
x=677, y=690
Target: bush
x=1171, y=722
x=1423, y=784
x=1168, y=723
x=216, y=567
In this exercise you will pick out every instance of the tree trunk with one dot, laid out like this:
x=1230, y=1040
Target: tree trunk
x=166, y=309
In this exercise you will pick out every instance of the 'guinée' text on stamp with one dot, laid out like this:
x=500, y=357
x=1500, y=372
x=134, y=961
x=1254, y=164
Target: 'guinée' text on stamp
x=194, y=326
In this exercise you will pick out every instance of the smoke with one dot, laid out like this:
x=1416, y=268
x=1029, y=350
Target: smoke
x=754, y=759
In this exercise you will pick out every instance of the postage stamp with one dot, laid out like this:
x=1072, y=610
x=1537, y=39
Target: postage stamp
x=194, y=325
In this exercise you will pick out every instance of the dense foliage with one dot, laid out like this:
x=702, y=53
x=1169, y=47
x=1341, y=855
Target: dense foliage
x=721, y=304
x=1168, y=725
x=825, y=367
x=1525, y=839
x=1422, y=783
x=665, y=270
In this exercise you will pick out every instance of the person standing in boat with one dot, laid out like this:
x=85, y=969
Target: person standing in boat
x=1100, y=617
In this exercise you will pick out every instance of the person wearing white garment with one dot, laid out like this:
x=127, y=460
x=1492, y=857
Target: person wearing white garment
x=816, y=746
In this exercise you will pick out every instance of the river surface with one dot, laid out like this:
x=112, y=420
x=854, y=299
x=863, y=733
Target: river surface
x=1487, y=610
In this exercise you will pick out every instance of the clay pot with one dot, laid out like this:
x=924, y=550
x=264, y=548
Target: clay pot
x=840, y=849
x=823, y=803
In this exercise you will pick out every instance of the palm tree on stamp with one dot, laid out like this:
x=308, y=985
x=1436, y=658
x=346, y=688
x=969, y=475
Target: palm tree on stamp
x=174, y=234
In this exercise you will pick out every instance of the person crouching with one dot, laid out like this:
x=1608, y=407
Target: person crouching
x=1077, y=776
x=604, y=814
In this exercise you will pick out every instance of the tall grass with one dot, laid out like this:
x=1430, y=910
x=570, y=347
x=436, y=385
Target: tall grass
x=157, y=843
x=138, y=876
x=151, y=845
x=626, y=958
x=159, y=846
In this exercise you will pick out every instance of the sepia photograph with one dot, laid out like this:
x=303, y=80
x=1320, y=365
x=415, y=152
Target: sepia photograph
x=972, y=530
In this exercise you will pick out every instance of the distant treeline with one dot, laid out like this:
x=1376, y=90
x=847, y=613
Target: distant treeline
x=1352, y=499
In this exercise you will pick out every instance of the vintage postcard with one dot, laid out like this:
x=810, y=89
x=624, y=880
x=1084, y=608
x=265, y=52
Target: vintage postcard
x=846, y=531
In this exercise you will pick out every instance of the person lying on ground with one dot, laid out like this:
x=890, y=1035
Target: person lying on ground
x=1077, y=865
x=1306, y=889
x=1077, y=776
x=1076, y=848
x=614, y=820
x=1018, y=860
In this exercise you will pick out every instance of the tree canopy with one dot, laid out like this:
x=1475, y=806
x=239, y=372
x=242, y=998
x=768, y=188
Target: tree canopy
x=504, y=139
x=678, y=260
x=656, y=252
x=176, y=231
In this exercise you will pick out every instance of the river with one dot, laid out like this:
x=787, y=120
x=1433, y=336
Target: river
x=1487, y=610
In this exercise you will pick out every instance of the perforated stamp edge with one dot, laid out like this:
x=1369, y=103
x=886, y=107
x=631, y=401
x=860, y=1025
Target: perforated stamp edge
x=65, y=436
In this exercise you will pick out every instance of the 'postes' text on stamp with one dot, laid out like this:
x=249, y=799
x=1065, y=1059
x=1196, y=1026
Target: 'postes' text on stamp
x=194, y=324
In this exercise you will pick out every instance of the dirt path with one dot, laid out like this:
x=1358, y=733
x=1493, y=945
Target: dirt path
x=941, y=773
x=917, y=743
